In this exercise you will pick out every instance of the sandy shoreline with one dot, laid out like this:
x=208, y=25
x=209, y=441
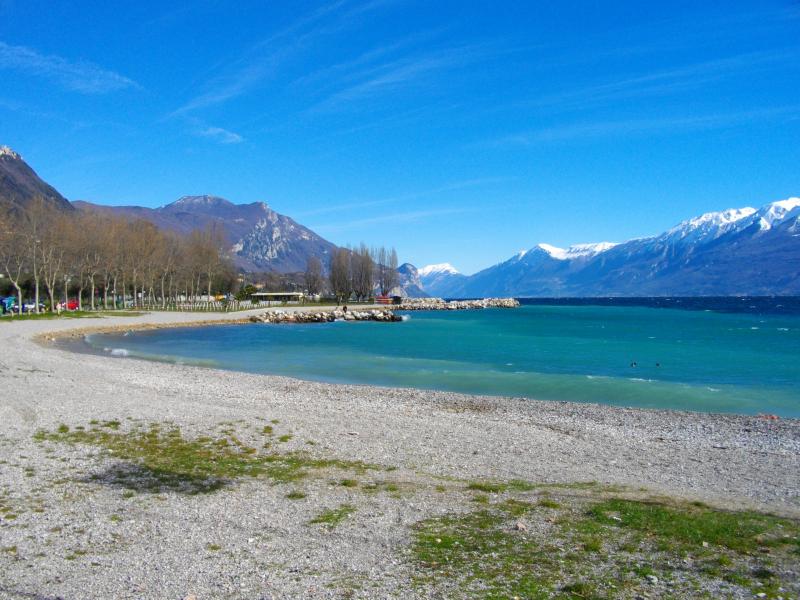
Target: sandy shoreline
x=727, y=460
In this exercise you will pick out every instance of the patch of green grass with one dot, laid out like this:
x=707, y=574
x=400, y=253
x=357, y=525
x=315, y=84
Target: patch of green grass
x=157, y=458
x=498, y=487
x=268, y=430
x=9, y=549
x=742, y=532
x=296, y=495
x=580, y=590
x=213, y=547
x=332, y=517
x=349, y=483
x=545, y=502
x=285, y=437
x=481, y=555
x=500, y=550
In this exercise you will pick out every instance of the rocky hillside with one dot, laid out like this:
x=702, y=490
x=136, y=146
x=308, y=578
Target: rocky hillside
x=260, y=239
x=409, y=280
x=20, y=186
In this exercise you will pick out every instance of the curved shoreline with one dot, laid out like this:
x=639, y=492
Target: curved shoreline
x=773, y=437
x=433, y=445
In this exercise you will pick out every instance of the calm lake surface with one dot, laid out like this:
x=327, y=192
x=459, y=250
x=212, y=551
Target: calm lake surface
x=742, y=357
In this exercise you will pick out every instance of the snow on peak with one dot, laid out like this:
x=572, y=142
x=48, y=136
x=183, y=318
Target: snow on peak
x=199, y=200
x=7, y=151
x=437, y=269
x=589, y=249
x=711, y=225
x=576, y=250
x=711, y=220
x=775, y=212
x=557, y=253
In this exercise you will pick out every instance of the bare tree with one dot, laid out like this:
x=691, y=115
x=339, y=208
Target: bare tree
x=392, y=278
x=340, y=274
x=380, y=270
x=13, y=259
x=362, y=272
x=313, y=276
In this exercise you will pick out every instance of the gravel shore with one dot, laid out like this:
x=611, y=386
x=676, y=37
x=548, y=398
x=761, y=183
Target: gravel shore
x=77, y=533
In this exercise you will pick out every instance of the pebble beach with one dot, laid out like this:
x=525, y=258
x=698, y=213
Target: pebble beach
x=77, y=532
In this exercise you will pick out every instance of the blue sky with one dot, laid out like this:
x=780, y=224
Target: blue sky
x=456, y=131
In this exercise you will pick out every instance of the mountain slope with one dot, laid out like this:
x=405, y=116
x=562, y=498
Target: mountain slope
x=409, y=282
x=20, y=186
x=259, y=238
x=437, y=280
x=743, y=251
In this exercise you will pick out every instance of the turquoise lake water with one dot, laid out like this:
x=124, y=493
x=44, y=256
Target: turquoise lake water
x=684, y=359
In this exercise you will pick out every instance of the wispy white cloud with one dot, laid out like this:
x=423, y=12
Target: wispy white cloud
x=223, y=136
x=361, y=66
x=83, y=77
x=375, y=79
x=666, y=81
x=623, y=127
x=402, y=217
x=266, y=56
x=452, y=186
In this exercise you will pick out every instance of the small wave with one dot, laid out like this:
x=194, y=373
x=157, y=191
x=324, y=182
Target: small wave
x=119, y=352
x=754, y=328
x=405, y=317
x=711, y=389
x=783, y=329
x=639, y=379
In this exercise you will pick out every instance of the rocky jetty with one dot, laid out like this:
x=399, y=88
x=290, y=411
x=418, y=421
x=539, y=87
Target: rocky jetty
x=439, y=304
x=280, y=316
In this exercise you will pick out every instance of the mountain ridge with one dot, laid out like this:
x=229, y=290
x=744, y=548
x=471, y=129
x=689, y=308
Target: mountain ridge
x=739, y=251
x=21, y=186
x=259, y=238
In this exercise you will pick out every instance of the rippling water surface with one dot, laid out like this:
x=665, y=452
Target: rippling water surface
x=743, y=361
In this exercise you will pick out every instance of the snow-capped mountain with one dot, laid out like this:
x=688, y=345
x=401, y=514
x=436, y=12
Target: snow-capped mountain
x=576, y=250
x=437, y=279
x=741, y=251
x=259, y=238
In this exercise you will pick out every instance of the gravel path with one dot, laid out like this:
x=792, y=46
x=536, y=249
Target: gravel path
x=248, y=540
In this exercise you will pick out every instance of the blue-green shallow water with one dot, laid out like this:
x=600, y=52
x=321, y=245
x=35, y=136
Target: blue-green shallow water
x=709, y=361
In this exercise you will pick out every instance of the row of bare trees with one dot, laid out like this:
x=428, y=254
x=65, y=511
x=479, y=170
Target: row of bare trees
x=357, y=271
x=102, y=260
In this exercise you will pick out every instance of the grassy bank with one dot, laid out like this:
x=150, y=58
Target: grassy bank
x=480, y=539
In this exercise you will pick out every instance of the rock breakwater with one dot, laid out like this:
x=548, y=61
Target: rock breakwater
x=280, y=316
x=440, y=304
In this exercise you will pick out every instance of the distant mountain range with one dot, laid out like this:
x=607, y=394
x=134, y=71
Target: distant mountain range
x=744, y=251
x=259, y=238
